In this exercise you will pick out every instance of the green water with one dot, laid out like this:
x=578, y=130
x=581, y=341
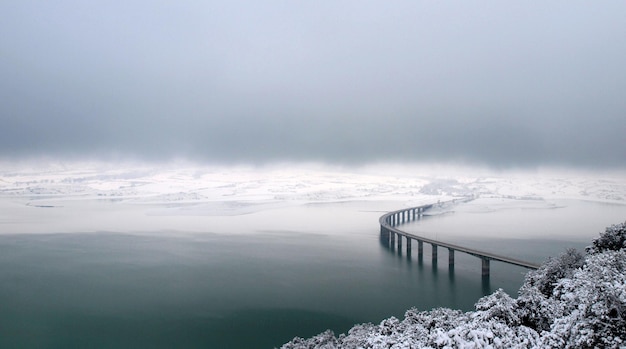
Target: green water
x=111, y=290
x=248, y=290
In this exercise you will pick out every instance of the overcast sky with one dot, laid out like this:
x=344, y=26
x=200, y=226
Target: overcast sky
x=503, y=83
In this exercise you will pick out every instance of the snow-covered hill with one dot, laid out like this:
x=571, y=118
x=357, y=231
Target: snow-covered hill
x=66, y=197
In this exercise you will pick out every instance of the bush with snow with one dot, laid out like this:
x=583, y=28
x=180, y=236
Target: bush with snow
x=614, y=238
x=594, y=303
x=536, y=307
x=572, y=301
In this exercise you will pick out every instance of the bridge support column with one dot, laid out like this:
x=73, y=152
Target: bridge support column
x=392, y=239
x=408, y=246
x=450, y=257
x=434, y=253
x=420, y=249
x=399, y=243
x=485, y=267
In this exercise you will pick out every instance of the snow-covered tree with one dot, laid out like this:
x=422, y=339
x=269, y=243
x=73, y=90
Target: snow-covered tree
x=554, y=269
x=499, y=306
x=535, y=309
x=536, y=305
x=324, y=340
x=614, y=238
x=594, y=302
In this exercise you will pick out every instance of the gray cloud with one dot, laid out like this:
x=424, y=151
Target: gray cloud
x=505, y=84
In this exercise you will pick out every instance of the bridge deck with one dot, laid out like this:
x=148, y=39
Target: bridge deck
x=384, y=222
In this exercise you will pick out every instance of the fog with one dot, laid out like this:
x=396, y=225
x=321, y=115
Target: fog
x=512, y=84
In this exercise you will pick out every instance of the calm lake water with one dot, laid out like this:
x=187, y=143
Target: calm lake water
x=256, y=289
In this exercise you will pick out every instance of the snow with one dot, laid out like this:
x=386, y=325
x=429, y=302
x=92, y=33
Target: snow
x=52, y=197
x=86, y=197
x=92, y=196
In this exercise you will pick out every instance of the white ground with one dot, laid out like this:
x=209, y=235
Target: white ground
x=53, y=197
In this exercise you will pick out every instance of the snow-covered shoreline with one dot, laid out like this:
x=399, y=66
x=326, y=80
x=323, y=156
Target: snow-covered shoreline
x=37, y=197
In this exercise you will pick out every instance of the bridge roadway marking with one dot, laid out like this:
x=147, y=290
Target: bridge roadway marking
x=387, y=218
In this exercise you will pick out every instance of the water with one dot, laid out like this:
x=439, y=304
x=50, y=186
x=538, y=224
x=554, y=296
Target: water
x=255, y=289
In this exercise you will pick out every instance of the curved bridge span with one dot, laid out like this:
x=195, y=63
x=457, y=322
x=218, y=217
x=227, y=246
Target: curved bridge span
x=392, y=235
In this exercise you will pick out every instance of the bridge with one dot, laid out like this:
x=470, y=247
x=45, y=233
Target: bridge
x=392, y=235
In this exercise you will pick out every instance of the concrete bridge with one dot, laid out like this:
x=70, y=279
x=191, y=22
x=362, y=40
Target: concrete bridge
x=392, y=235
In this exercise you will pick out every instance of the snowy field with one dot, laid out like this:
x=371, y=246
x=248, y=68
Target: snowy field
x=58, y=197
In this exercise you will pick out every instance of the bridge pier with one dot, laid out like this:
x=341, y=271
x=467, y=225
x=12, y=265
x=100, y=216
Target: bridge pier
x=450, y=257
x=389, y=234
x=384, y=235
x=408, y=246
x=420, y=249
x=485, y=268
